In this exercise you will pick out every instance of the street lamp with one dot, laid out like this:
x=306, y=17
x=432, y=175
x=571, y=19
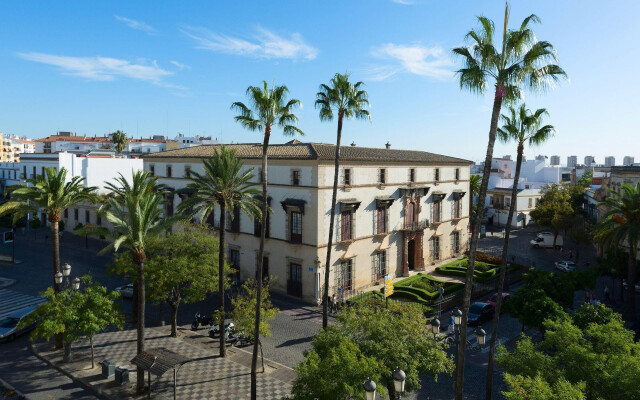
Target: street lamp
x=457, y=316
x=435, y=326
x=75, y=283
x=66, y=269
x=370, y=389
x=481, y=335
x=58, y=278
x=399, y=377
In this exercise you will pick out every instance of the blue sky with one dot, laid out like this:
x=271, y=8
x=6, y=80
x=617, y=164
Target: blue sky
x=166, y=67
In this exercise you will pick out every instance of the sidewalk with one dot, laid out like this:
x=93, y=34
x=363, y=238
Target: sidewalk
x=206, y=376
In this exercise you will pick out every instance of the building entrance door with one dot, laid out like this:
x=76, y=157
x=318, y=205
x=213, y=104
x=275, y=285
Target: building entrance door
x=411, y=254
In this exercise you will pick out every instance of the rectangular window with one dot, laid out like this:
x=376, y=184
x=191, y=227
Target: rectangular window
x=234, y=259
x=457, y=209
x=24, y=172
x=235, y=221
x=75, y=214
x=381, y=220
x=347, y=176
x=345, y=225
x=436, y=176
x=152, y=170
x=294, y=281
x=34, y=171
x=295, y=227
x=87, y=217
x=457, y=174
x=382, y=176
x=169, y=170
x=295, y=177
x=343, y=275
x=98, y=219
x=530, y=202
x=211, y=219
x=507, y=202
x=187, y=171
x=456, y=242
x=437, y=211
x=257, y=226
x=66, y=213
x=43, y=172
x=436, y=247
x=379, y=265
x=412, y=175
x=169, y=206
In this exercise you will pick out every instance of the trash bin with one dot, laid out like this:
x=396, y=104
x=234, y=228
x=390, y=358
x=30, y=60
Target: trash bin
x=108, y=369
x=122, y=376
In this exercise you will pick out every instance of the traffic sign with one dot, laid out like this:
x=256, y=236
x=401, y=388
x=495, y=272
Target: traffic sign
x=388, y=285
x=388, y=293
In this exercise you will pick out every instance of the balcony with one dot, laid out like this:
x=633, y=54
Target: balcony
x=416, y=225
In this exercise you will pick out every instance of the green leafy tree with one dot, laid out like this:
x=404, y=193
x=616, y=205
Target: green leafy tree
x=226, y=185
x=119, y=140
x=268, y=108
x=581, y=232
x=589, y=314
x=521, y=126
x=135, y=214
x=334, y=368
x=97, y=310
x=520, y=62
x=244, y=312
x=554, y=209
x=526, y=388
x=52, y=193
x=532, y=307
x=35, y=222
x=348, y=100
x=620, y=225
x=173, y=262
x=614, y=263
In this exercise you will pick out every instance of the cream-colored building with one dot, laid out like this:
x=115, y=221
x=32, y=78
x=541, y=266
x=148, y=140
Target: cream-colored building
x=397, y=211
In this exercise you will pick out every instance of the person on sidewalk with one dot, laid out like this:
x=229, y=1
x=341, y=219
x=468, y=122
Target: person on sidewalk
x=330, y=304
x=452, y=324
x=606, y=294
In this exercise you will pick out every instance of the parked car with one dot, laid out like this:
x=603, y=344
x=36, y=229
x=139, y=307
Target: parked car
x=545, y=239
x=9, y=326
x=624, y=283
x=480, y=312
x=565, y=266
x=126, y=290
x=494, y=298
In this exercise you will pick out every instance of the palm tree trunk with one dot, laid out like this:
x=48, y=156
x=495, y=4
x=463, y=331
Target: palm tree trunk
x=223, y=221
x=55, y=253
x=141, y=304
x=503, y=272
x=466, y=300
x=134, y=304
x=631, y=284
x=263, y=233
x=174, y=318
x=336, y=171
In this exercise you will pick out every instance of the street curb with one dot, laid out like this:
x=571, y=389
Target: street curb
x=10, y=387
x=81, y=381
x=6, y=282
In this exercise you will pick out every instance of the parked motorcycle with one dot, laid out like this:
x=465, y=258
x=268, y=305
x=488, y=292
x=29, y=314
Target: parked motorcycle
x=214, y=329
x=201, y=320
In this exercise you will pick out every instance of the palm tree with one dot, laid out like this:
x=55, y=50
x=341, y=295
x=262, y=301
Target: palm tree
x=521, y=61
x=135, y=214
x=350, y=101
x=474, y=189
x=520, y=126
x=267, y=108
x=226, y=185
x=621, y=224
x=119, y=140
x=52, y=194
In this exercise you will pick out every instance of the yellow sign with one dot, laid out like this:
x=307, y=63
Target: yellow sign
x=388, y=293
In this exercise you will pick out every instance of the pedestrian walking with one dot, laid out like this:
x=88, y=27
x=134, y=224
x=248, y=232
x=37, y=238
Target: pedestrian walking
x=606, y=294
x=452, y=323
x=330, y=304
x=335, y=303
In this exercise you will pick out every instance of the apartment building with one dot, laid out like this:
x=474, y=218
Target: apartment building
x=572, y=161
x=554, y=160
x=397, y=211
x=627, y=161
x=609, y=161
x=589, y=161
x=70, y=142
x=499, y=201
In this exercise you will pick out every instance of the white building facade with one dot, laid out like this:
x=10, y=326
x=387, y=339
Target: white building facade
x=499, y=201
x=397, y=211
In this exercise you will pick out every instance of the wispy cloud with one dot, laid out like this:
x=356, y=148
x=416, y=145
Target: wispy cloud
x=180, y=65
x=263, y=43
x=138, y=25
x=415, y=59
x=403, y=2
x=104, y=68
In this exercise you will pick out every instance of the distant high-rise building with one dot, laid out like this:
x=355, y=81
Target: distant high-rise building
x=609, y=161
x=589, y=161
x=541, y=157
x=572, y=161
x=555, y=160
x=627, y=161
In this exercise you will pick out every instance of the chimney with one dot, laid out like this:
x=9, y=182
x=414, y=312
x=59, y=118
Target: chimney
x=388, y=145
x=353, y=144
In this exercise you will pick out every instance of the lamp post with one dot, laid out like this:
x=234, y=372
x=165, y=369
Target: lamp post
x=481, y=336
x=457, y=320
x=370, y=389
x=71, y=286
x=435, y=327
x=399, y=377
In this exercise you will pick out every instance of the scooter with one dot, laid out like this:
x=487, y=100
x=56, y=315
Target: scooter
x=201, y=320
x=214, y=329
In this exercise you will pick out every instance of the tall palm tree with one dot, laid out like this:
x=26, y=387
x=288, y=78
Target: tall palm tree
x=53, y=194
x=520, y=62
x=226, y=185
x=135, y=214
x=350, y=101
x=119, y=140
x=621, y=224
x=474, y=189
x=521, y=126
x=267, y=108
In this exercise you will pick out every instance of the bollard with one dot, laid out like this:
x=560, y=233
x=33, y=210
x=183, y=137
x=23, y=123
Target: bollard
x=108, y=369
x=122, y=376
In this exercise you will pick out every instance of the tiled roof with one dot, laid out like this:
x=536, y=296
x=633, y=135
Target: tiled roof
x=100, y=139
x=296, y=150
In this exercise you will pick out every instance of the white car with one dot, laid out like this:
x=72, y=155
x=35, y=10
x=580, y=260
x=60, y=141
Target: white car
x=9, y=326
x=565, y=266
x=125, y=290
x=624, y=283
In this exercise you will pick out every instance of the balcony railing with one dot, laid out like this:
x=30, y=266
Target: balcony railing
x=416, y=225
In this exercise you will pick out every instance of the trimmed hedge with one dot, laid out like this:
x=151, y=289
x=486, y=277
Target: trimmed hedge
x=412, y=285
x=483, y=272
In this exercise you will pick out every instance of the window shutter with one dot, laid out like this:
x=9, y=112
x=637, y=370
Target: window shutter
x=431, y=248
x=338, y=227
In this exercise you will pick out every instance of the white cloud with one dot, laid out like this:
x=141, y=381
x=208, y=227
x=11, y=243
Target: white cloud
x=420, y=60
x=138, y=25
x=262, y=44
x=403, y=2
x=180, y=65
x=103, y=68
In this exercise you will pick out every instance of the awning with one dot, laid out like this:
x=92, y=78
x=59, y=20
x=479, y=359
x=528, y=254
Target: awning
x=458, y=194
x=384, y=201
x=293, y=203
x=419, y=189
x=349, y=204
x=438, y=196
